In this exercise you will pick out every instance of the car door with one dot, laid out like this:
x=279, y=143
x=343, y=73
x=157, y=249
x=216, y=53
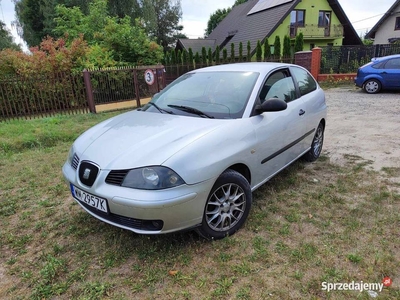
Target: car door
x=391, y=73
x=313, y=102
x=279, y=134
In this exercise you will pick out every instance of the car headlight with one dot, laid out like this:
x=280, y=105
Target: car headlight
x=70, y=156
x=152, y=178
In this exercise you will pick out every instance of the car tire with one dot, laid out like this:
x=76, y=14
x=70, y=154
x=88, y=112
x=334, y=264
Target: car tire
x=372, y=86
x=227, y=206
x=316, y=145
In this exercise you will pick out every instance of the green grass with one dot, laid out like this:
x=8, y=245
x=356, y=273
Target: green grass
x=311, y=223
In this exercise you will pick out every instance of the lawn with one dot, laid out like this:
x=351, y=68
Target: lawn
x=312, y=223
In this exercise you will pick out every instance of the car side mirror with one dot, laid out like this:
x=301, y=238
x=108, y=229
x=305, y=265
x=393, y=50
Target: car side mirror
x=273, y=104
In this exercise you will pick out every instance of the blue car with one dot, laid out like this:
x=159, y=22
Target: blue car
x=382, y=73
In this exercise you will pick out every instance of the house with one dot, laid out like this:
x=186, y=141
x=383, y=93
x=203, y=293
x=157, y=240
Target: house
x=322, y=22
x=387, y=30
x=196, y=44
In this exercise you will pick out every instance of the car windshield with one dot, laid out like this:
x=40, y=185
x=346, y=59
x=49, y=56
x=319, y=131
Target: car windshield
x=221, y=95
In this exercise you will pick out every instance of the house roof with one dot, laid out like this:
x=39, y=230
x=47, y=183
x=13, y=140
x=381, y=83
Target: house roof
x=253, y=27
x=196, y=44
x=372, y=32
x=240, y=26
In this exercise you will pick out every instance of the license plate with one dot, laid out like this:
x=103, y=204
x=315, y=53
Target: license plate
x=89, y=199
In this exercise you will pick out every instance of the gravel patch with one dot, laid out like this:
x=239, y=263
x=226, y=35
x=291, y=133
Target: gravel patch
x=363, y=125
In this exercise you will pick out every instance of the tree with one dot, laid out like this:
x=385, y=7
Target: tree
x=299, y=42
x=240, y=52
x=123, y=8
x=248, y=51
x=215, y=19
x=197, y=58
x=35, y=19
x=224, y=55
x=184, y=57
x=267, y=50
x=238, y=2
x=258, y=51
x=173, y=57
x=277, y=47
x=190, y=56
x=286, y=47
x=6, y=38
x=204, y=55
x=127, y=43
x=161, y=18
x=209, y=57
x=217, y=55
x=232, y=52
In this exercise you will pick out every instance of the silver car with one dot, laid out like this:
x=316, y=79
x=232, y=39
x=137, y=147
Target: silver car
x=191, y=157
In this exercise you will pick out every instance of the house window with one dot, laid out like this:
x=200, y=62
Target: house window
x=324, y=19
x=397, y=25
x=297, y=18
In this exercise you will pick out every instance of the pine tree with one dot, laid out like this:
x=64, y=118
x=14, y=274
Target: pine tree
x=248, y=51
x=277, y=48
x=240, y=52
x=232, y=52
x=267, y=50
x=258, y=51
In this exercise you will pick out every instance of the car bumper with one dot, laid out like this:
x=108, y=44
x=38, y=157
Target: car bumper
x=145, y=211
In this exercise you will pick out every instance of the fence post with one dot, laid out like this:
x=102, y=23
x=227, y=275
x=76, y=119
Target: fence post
x=89, y=91
x=136, y=84
x=316, y=62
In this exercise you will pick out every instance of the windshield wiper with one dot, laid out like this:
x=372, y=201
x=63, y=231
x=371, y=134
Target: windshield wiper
x=161, y=110
x=191, y=110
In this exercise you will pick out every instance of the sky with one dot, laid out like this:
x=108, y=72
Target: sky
x=363, y=14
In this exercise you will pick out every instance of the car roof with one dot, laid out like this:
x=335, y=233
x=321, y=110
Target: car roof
x=261, y=67
x=385, y=57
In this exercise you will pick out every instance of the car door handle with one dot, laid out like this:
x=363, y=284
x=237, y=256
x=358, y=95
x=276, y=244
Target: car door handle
x=302, y=112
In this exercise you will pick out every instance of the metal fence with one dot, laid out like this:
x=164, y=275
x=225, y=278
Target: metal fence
x=347, y=59
x=107, y=86
x=172, y=72
x=66, y=93
x=40, y=95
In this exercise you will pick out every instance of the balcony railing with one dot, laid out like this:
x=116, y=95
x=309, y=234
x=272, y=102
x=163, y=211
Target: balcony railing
x=313, y=31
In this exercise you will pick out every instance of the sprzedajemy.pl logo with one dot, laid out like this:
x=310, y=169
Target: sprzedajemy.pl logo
x=356, y=286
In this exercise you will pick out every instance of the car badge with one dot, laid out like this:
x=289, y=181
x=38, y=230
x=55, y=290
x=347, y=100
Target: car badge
x=86, y=174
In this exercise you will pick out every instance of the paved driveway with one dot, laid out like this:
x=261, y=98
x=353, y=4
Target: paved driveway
x=363, y=125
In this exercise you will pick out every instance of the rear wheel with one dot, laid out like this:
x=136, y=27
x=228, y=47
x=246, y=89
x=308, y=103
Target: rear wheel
x=372, y=86
x=227, y=206
x=316, y=145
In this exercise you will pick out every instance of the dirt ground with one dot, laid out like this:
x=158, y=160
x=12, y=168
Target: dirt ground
x=363, y=125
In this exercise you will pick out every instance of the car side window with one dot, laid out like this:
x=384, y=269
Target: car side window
x=305, y=81
x=393, y=63
x=278, y=85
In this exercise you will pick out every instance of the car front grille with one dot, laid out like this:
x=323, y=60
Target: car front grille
x=116, y=177
x=148, y=225
x=75, y=161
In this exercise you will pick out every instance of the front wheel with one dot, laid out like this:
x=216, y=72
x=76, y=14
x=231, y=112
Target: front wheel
x=372, y=86
x=227, y=206
x=316, y=145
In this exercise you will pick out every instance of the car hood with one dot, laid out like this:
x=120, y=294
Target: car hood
x=137, y=139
